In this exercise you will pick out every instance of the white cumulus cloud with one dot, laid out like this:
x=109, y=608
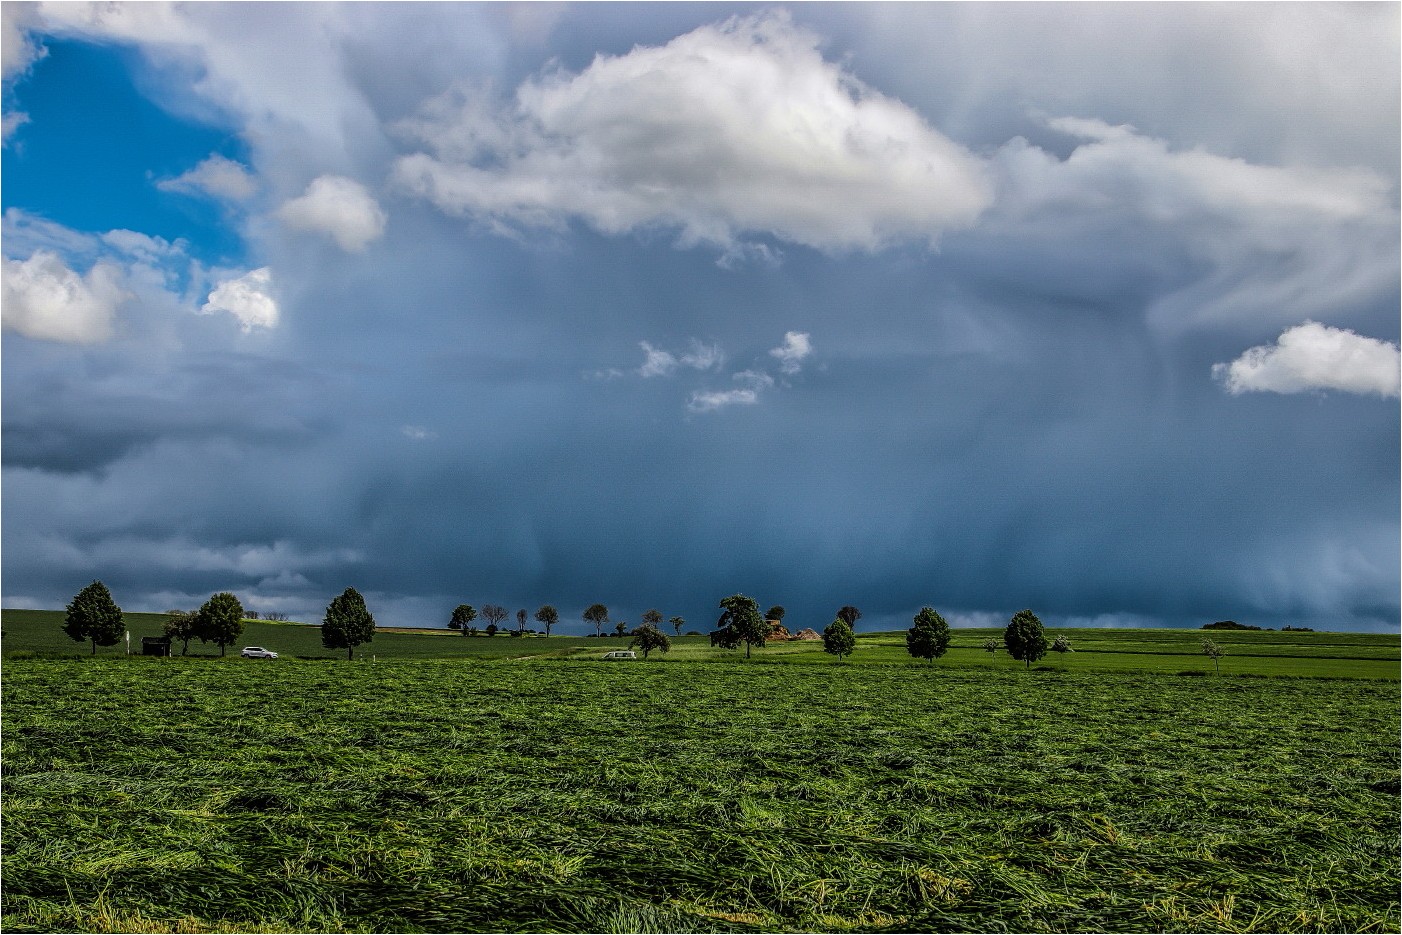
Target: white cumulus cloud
x=728, y=132
x=661, y=363
x=43, y=298
x=218, y=176
x=791, y=353
x=339, y=207
x=710, y=401
x=1312, y=356
x=248, y=298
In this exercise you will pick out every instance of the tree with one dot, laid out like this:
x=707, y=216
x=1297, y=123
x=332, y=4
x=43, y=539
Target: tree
x=220, y=620
x=598, y=615
x=991, y=645
x=491, y=629
x=549, y=616
x=463, y=615
x=620, y=628
x=181, y=625
x=849, y=615
x=1024, y=637
x=838, y=638
x=348, y=623
x=94, y=616
x=929, y=638
x=521, y=621
x=742, y=618
x=1061, y=645
x=647, y=638
x=653, y=618
x=775, y=613
x=495, y=613
x=677, y=624
x=1216, y=652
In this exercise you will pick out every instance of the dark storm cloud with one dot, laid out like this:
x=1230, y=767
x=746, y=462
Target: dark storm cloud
x=1024, y=416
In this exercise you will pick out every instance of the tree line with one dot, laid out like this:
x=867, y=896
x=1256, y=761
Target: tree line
x=94, y=616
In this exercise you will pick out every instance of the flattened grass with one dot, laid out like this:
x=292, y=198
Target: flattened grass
x=575, y=795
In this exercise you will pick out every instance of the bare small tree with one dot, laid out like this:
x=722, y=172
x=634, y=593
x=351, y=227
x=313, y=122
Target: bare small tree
x=495, y=614
x=1210, y=648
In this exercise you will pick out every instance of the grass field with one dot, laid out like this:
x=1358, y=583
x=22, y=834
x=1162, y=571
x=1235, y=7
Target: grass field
x=574, y=795
x=458, y=784
x=1334, y=655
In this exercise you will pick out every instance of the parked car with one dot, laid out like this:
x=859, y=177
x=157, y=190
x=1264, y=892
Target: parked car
x=621, y=654
x=257, y=652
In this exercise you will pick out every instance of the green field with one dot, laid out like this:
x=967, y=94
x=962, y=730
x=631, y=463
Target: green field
x=545, y=790
x=1332, y=655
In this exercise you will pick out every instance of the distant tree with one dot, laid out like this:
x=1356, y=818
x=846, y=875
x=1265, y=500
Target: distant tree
x=928, y=639
x=180, y=625
x=991, y=645
x=775, y=613
x=463, y=615
x=1061, y=645
x=521, y=621
x=1210, y=648
x=677, y=624
x=742, y=618
x=94, y=616
x=549, y=616
x=598, y=615
x=653, y=618
x=838, y=639
x=620, y=628
x=280, y=618
x=1025, y=638
x=220, y=620
x=491, y=629
x=647, y=638
x=348, y=623
x=849, y=615
x=494, y=613
x=250, y=615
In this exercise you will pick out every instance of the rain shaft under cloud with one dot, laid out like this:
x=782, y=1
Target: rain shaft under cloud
x=562, y=305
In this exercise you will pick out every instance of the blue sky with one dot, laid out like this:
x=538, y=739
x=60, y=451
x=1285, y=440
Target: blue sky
x=884, y=305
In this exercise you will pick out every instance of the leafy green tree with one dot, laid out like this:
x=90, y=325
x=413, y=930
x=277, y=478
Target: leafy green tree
x=991, y=645
x=1216, y=652
x=491, y=629
x=849, y=615
x=181, y=625
x=94, y=616
x=348, y=623
x=620, y=628
x=929, y=638
x=463, y=615
x=647, y=638
x=549, y=616
x=1024, y=637
x=598, y=615
x=775, y=613
x=838, y=639
x=742, y=618
x=1061, y=645
x=495, y=613
x=220, y=620
x=677, y=624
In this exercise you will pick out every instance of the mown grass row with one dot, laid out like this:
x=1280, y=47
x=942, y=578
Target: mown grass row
x=577, y=796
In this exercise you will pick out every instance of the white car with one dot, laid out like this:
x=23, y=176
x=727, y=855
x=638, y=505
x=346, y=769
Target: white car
x=621, y=654
x=257, y=652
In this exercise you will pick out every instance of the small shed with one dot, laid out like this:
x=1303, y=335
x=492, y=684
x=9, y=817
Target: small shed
x=155, y=646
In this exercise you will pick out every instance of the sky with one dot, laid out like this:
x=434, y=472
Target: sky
x=1091, y=309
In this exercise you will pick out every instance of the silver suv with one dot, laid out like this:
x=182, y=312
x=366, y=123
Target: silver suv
x=257, y=652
